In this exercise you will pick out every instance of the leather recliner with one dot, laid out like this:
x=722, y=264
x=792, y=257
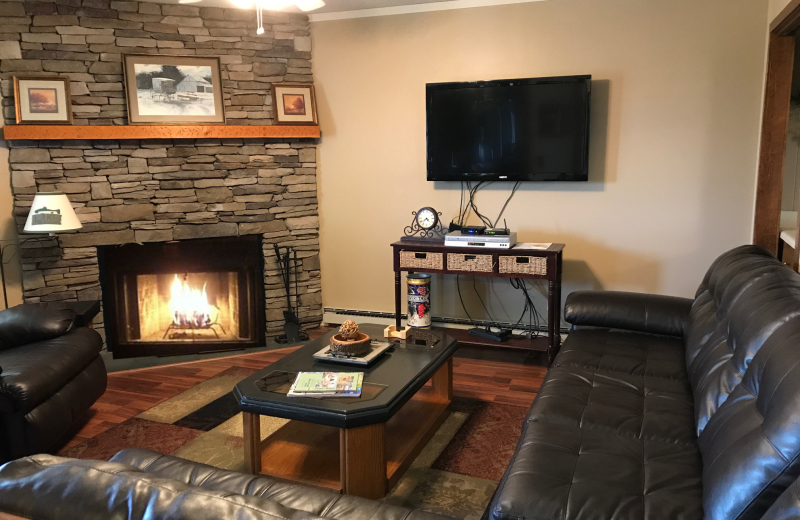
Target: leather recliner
x=50, y=375
x=668, y=408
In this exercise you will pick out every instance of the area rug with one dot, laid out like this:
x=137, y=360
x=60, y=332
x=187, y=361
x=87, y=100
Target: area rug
x=455, y=474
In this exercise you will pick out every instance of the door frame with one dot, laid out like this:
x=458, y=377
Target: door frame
x=774, y=126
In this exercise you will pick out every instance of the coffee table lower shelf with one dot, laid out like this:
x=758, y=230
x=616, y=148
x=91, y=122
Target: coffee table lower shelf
x=366, y=461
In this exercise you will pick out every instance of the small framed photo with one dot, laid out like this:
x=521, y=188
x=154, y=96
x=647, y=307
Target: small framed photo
x=294, y=104
x=173, y=89
x=42, y=100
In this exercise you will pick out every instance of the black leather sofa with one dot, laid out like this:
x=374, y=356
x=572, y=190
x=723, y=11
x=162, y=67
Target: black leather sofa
x=669, y=408
x=142, y=484
x=50, y=375
x=655, y=408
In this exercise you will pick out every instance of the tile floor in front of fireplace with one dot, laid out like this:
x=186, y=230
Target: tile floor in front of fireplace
x=187, y=410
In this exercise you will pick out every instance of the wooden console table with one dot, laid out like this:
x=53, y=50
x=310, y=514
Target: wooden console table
x=434, y=257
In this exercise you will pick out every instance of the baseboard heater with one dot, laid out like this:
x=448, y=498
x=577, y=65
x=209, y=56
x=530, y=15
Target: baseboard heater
x=439, y=320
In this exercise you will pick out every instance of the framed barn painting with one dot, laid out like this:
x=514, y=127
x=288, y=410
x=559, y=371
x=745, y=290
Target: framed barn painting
x=42, y=100
x=294, y=104
x=173, y=89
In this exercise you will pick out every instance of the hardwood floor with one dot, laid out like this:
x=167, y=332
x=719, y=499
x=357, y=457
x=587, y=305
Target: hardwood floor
x=133, y=391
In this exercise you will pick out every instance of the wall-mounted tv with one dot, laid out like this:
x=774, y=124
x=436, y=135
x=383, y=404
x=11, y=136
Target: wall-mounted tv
x=534, y=129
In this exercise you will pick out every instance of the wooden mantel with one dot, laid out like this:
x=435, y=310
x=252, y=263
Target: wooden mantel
x=56, y=132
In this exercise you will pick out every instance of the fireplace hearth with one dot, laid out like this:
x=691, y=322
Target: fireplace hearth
x=184, y=297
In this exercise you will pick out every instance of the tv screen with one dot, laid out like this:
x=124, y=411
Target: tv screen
x=533, y=129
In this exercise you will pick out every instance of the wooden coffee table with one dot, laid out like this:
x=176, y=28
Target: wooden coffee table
x=359, y=446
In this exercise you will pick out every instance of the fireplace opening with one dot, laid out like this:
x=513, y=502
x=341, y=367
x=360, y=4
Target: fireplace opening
x=183, y=297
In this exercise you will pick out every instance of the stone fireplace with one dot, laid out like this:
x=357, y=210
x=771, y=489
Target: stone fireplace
x=159, y=191
x=183, y=297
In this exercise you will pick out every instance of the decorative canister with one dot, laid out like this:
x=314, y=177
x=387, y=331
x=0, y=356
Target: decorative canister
x=419, y=300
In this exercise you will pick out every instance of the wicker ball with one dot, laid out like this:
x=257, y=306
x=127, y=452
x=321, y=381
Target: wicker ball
x=348, y=330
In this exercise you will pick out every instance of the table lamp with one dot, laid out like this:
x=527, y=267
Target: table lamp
x=51, y=212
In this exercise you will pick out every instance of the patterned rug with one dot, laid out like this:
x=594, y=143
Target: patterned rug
x=455, y=474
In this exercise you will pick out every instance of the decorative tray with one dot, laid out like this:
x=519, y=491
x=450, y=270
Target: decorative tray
x=377, y=349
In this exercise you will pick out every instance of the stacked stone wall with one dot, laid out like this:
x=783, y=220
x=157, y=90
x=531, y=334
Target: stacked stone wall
x=159, y=190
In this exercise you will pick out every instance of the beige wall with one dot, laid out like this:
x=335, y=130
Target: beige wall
x=775, y=8
x=8, y=231
x=676, y=109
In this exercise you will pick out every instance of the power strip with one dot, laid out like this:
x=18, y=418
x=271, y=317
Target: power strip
x=502, y=335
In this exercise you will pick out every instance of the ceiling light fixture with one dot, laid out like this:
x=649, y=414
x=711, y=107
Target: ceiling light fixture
x=275, y=5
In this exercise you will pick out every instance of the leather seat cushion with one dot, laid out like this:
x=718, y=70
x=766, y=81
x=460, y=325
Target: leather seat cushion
x=639, y=406
x=751, y=445
x=32, y=323
x=34, y=372
x=633, y=353
x=44, y=486
x=52, y=419
x=319, y=502
x=562, y=472
x=787, y=507
x=747, y=296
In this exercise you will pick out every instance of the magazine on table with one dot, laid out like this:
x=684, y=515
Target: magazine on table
x=533, y=245
x=327, y=384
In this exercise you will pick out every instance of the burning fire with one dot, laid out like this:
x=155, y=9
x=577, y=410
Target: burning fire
x=190, y=307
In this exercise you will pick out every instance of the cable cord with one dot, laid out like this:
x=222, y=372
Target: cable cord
x=458, y=286
x=513, y=191
x=471, y=203
x=491, y=319
x=534, y=317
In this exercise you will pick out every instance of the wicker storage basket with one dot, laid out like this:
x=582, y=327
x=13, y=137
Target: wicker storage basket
x=535, y=265
x=468, y=262
x=421, y=260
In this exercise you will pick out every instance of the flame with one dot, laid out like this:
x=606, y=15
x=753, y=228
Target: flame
x=190, y=307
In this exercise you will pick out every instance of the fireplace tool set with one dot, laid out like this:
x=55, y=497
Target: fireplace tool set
x=287, y=261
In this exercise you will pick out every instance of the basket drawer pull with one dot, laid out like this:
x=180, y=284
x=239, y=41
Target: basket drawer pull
x=470, y=257
x=523, y=260
x=421, y=255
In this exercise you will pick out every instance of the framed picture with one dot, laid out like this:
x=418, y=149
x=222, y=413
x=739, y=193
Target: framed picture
x=42, y=100
x=294, y=104
x=173, y=89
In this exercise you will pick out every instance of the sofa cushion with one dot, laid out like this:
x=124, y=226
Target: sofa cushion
x=787, y=507
x=751, y=445
x=44, y=486
x=31, y=323
x=636, y=406
x=562, y=472
x=52, y=419
x=651, y=313
x=319, y=502
x=747, y=295
x=632, y=353
x=34, y=372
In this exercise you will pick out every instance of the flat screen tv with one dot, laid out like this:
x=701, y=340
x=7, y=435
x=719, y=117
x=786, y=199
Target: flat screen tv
x=534, y=129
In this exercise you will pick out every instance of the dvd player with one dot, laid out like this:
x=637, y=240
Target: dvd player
x=457, y=239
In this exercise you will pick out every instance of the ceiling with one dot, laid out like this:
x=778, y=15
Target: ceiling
x=335, y=9
x=335, y=6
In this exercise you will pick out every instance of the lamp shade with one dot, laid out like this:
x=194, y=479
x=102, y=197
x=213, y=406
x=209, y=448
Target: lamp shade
x=51, y=212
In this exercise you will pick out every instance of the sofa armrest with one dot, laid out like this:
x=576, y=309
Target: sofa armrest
x=651, y=313
x=25, y=324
